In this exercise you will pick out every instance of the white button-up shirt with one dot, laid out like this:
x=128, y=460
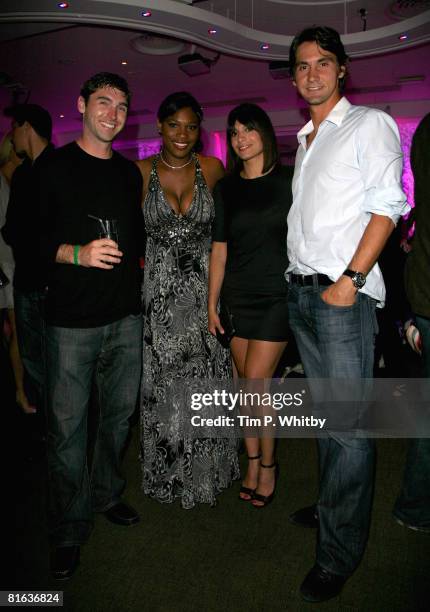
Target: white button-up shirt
x=351, y=169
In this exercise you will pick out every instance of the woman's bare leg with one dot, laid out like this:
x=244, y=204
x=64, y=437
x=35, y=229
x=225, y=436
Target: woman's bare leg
x=257, y=360
x=239, y=349
x=262, y=357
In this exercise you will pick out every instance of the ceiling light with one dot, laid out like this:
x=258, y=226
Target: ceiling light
x=61, y=116
x=124, y=63
x=146, y=13
x=63, y=5
x=264, y=47
x=194, y=64
x=403, y=37
x=212, y=31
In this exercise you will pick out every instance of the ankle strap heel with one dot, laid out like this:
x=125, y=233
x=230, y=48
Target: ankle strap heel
x=247, y=490
x=265, y=500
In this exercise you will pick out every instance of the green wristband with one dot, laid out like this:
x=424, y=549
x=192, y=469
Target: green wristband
x=75, y=254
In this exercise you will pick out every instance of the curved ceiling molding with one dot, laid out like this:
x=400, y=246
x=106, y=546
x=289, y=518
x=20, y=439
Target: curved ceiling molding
x=181, y=20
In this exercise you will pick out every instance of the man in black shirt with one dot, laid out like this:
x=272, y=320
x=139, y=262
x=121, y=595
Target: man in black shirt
x=31, y=135
x=93, y=317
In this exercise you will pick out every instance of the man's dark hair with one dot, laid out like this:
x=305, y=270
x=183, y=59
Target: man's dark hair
x=37, y=116
x=105, y=79
x=177, y=101
x=326, y=38
x=254, y=118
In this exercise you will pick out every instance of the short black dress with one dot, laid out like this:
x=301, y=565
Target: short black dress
x=251, y=216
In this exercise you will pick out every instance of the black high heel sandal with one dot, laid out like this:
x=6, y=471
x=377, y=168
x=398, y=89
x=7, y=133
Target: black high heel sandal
x=248, y=490
x=266, y=499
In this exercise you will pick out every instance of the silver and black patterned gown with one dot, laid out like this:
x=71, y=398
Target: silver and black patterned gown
x=178, y=347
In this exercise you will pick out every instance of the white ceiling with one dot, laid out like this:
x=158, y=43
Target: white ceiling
x=48, y=52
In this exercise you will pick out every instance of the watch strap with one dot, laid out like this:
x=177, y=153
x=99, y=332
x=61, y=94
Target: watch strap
x=358, y=278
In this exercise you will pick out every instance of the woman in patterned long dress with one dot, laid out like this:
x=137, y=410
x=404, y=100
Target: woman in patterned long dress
x=178, y=210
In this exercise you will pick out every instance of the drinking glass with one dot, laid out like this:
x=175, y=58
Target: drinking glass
x=107, y=228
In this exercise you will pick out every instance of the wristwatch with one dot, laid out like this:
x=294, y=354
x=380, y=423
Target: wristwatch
x=358, y=278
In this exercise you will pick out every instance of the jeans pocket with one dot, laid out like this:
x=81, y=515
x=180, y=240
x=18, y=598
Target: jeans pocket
x=338, y=307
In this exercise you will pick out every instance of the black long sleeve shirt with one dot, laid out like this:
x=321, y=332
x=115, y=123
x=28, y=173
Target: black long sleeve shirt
x=74, y=188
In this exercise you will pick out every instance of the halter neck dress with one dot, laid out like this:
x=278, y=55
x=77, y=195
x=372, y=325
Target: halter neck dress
x=177, y=346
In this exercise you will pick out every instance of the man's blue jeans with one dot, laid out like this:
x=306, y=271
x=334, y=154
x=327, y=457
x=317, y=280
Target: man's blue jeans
x=413, y=504
x=30, y=327
x=338, y=342
x=111, y=357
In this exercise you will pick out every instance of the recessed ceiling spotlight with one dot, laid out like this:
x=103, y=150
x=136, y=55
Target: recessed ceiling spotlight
x=264, y=47
x=124, y=63
x=63, y=5
x=403, y=37
x=61, y=116
x=146, y=13
x=212, y=31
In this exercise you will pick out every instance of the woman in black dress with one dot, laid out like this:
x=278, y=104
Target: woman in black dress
x=247, y=266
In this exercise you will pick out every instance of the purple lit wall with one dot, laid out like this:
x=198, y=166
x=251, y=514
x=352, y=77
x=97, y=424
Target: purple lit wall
x=216, y=145
x=407, y=128
x=145, y=148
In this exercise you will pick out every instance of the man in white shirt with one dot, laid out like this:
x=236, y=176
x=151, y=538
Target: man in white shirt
x=346, y=201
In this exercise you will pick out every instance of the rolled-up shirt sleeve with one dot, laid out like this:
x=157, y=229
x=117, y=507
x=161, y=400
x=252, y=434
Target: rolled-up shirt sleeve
x=381, y=163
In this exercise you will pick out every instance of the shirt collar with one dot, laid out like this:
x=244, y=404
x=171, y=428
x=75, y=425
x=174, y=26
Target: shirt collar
x=335, y=116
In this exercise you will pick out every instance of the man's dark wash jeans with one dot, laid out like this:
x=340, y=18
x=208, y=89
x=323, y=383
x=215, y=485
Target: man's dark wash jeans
x=109, y=356
x=338, y=342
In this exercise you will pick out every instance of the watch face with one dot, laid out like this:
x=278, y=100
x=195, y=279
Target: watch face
x=359, y=280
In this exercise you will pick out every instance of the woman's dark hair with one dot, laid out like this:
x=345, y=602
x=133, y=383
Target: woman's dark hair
x=105, y=79
x=177, y=101
x=255, y=118
x=326, y=38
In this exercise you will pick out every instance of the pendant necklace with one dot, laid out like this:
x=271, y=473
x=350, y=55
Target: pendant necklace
x=175, y=167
